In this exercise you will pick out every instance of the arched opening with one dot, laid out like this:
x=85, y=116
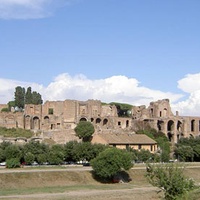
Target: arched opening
x=193, y=125
x=27, y=123
x=165, y=112
x=170, y=125
x=170, y=136
x=179, y=126
x=83, y=119
x=36, y=123
x=46, y=119
x=127, y=123
x=160, y=125
x=105, y=122
x=98, y=121
x=92, y=119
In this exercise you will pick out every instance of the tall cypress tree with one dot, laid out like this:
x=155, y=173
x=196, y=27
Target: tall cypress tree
x=19, y=96
x=28, y=96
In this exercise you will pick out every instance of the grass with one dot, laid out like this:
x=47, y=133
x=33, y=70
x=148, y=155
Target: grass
x=61, y=182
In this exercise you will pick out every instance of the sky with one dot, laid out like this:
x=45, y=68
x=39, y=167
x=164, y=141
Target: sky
x=128, y=51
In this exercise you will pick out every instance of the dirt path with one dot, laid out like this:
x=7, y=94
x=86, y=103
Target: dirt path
x=141, y=193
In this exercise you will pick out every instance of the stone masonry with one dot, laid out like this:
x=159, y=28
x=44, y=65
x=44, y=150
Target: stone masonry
x=57, y=119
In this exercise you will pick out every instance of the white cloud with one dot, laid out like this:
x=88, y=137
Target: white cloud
x=29, y=9
x=115, y=88
x=191, y=85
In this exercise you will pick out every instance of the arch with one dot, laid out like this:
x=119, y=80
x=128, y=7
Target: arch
x=105, y=122
x=179, y=126
x=170, y=125
x=98, y=121
x=192, y=125
x=127, y=123
x=92, y=119
x=46, y=119
x=27, y=122
x=160, y=125
x=36, y=123
x=83, y=119
x=170, y=136
x=165, y=112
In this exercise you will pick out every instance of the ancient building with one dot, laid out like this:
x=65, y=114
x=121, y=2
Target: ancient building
x=57, y=119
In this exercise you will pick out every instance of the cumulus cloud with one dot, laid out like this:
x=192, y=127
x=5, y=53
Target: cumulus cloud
x=29, y=9
x=115, y=88
x=190, y=84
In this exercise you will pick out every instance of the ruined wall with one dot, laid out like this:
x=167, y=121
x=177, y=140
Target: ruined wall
x=63, y=116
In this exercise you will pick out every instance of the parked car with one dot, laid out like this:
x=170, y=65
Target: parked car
x=3, y=164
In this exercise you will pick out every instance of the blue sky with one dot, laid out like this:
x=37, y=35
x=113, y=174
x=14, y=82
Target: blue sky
x=134, y=51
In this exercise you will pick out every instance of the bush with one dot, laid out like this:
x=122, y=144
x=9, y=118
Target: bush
x=13, y=163
x=170, y=179
x=110, y=162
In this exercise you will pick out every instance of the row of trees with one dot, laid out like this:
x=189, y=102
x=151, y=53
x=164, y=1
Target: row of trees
x=55, y=154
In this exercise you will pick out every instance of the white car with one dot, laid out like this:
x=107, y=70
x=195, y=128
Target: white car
x=3, y=164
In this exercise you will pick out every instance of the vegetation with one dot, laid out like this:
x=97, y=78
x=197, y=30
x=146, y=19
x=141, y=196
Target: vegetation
x=110, y=162
x=160, y=138
x=123, y=110
x=23, y=96
x=15, y=132
x=169, y=178
x=188, y=149
x=84, y=130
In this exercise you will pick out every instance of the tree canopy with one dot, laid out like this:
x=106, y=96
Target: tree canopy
x=23, y=96
x=84, y=130
x=110, y=162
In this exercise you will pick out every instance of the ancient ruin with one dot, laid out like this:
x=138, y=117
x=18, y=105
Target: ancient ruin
x=57, y=119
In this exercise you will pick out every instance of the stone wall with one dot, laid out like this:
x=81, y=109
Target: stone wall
x=61, y=117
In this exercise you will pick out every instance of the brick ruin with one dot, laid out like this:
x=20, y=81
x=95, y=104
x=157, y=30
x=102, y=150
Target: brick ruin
x=57, y=119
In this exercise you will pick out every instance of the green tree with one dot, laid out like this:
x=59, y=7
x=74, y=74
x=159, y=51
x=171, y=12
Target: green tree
x=13, y=151
x=110, y=162
x=84, y=130
x=185, y=153
x=169, y=178
x=29, y=158
x=69, y=150
x=56, y=155
x=19, y=96
x=36, y=98
x=28, y=96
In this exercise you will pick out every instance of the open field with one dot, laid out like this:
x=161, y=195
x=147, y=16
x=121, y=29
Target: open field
x=77, y=183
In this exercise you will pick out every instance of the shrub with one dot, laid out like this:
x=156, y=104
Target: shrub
x=110, y=162
x=13, y=163
x=170, y=179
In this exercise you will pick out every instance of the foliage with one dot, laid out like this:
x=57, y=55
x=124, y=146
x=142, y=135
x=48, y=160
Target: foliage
x=15, y=132
x=161, y=139
x=19, y=96
x=68, y=150
x=13, y=151
x=123, y=110
x=42, y=158
x=110, y=162
x=56, y=154
x=13, y=163
x=23, y=96
x=29, y=158
x=84, y=130
x=5, y=110
x=169, y=178
x=188, y=149
x=35, y=148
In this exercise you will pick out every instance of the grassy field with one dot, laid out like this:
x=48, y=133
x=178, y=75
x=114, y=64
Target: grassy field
x=79, y=185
